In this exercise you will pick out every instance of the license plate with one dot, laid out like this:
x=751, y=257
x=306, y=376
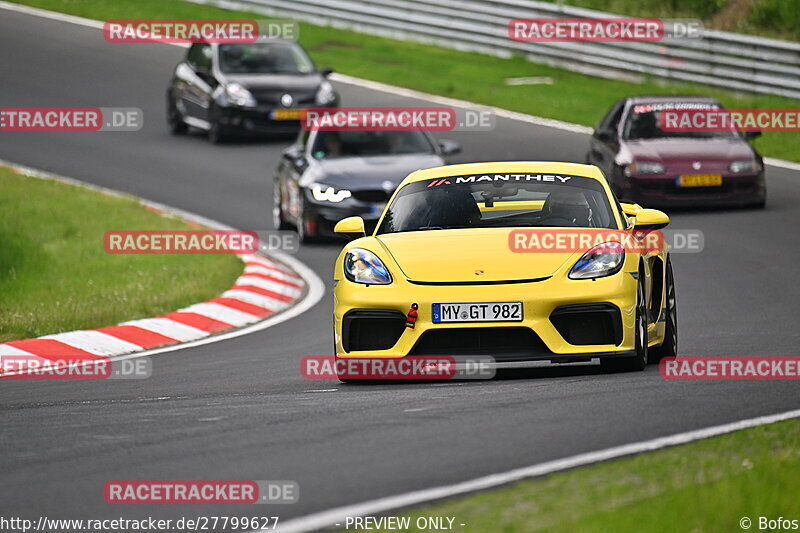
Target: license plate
x=700, y=180
x=287, y=114
x=477, y=312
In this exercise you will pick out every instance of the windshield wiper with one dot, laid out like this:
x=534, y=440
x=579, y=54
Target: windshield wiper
x=426, y=228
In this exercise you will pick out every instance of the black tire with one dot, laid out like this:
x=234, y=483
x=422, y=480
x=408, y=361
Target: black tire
x=639, y=361
x=302, y=229
x=669, y=348
x=278, y=220
x=175, y=121
x=217, y=133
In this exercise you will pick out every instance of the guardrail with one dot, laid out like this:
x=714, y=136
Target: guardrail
x=723, y=59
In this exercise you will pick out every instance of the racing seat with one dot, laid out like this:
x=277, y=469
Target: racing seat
x=567, y=208
x=449, y=208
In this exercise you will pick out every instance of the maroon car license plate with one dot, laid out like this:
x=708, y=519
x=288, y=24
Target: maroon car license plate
x=700, y=180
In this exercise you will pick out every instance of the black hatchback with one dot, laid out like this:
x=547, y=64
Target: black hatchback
x=251, y=88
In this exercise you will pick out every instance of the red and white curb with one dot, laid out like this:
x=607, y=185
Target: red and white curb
x=268, y=291
x=266, y=287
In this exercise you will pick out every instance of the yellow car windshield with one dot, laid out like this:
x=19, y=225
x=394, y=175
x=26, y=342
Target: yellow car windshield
x=499, y=201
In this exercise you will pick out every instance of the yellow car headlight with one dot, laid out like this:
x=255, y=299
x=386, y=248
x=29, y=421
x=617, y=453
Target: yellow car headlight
x=362, y=266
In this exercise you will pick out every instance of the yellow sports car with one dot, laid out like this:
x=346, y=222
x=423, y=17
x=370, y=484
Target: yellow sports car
x=520, y=261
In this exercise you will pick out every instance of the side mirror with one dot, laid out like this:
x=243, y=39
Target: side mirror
x=650, y=219
x=202, y=72
x=327, y=71
x=351, y=225
x=630, y=209
x=295, y=154
x=449, y=147
x=749, y=135
x=604, y=135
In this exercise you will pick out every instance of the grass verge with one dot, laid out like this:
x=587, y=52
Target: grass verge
x=776, y=19
x=469, y=76
x=56, y=276
x=708, y=485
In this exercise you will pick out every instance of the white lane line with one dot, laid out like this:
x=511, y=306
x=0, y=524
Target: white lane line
x=789, y=165
x=256, y=299
x=222, y=313
x=168, y=328
x=464, y=104
x=95, y=342
x=383, y=87
x=328, y=518
x=274, y=286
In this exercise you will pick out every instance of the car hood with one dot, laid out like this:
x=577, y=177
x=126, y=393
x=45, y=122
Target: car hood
x=357, y=173
x=682, y=150
x=467, y=255
x=277, y=82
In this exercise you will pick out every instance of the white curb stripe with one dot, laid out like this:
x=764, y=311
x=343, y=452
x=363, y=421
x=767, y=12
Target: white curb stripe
x=95, y=342
x=6, y=350
x=278, y=274
x=274, y=286
x=324, y=519
x=271, y=268
x=223, y=313
x=256, y=299
x=168, y=328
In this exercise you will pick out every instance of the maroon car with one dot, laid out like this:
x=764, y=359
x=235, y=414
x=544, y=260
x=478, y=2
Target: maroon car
x=645, y=164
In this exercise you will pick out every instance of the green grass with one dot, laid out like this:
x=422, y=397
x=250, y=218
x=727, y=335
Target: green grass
x=56, y=276
x=705, y=486
x=651, y=8
x=776, y=19
x=469, y=76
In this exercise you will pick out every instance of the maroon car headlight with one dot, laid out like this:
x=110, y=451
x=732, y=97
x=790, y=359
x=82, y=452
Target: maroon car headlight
x=750, y=165
x=644, y=167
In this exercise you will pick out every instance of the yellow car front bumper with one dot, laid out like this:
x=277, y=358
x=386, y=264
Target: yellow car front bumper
x=539, y=298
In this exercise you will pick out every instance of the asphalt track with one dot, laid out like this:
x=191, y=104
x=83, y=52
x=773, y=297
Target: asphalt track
x=239, y=409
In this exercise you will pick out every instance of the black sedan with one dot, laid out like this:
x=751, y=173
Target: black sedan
x=250, y=88
x=330, y=175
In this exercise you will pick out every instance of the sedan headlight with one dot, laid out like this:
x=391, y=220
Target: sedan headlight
x=325, y=94
x=325, y=193
x=644, y=167
x=236, y=94
x=751, y=165
x=362, y=266
x=603, y=260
